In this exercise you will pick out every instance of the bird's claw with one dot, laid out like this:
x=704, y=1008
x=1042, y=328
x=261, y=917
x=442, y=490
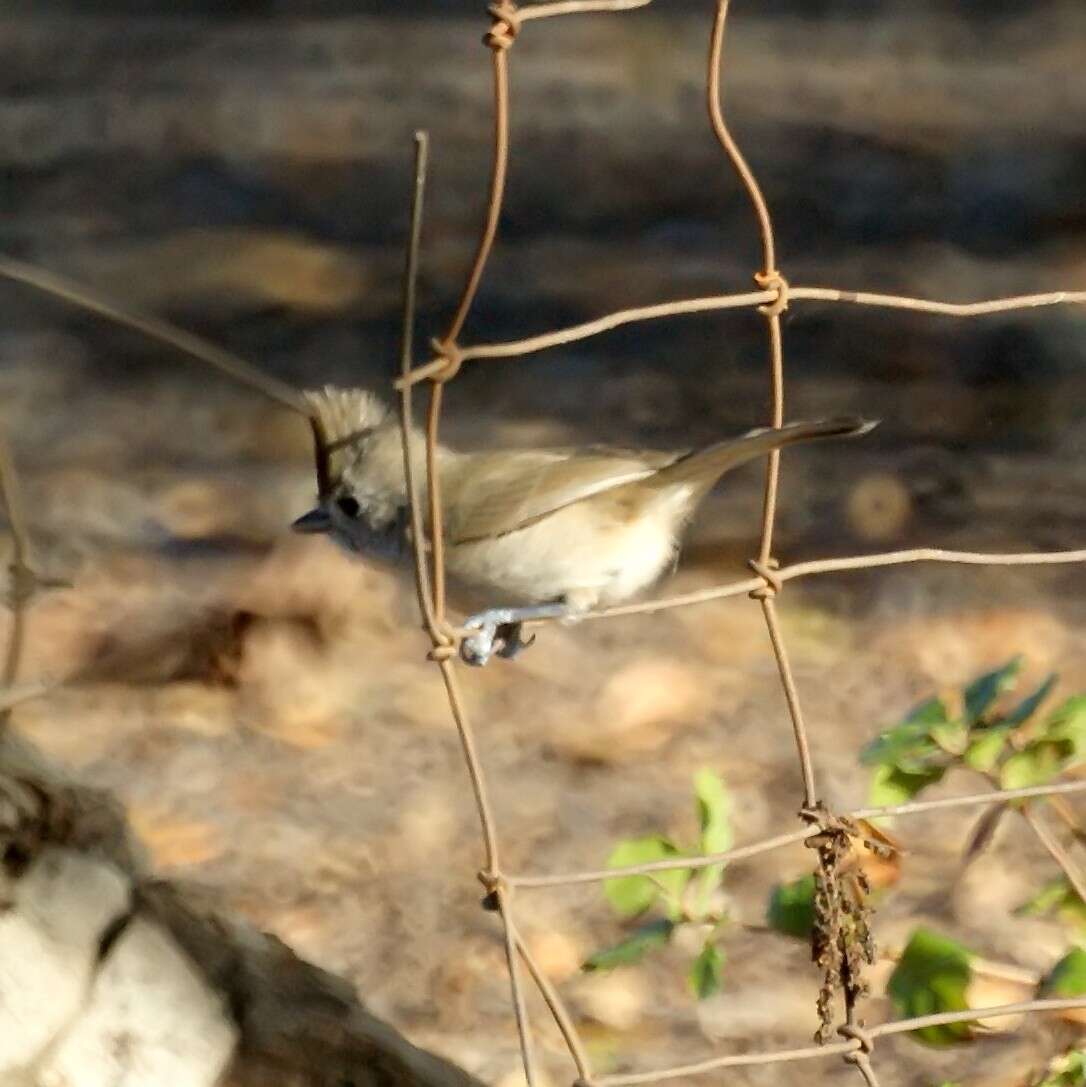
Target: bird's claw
x=512, y=640
x=489, y=636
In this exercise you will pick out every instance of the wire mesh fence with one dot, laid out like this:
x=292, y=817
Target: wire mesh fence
x=823, y=830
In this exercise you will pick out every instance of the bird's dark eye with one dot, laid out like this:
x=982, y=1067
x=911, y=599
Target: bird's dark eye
x=347, y=505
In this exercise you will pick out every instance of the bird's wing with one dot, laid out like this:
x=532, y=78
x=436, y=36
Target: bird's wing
x=491, y=494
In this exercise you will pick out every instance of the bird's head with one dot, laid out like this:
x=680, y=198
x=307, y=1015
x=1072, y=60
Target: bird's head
x=365, y=469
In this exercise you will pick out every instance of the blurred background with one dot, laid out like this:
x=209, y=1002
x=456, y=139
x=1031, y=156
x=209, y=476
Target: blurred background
x=262, y=703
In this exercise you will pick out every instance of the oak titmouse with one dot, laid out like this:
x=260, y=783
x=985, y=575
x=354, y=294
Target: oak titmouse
x=547, y=533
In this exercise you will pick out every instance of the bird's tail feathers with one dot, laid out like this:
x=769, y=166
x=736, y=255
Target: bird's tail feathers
x=701, y=469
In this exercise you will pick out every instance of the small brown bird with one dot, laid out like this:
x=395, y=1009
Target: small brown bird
x=550, y=533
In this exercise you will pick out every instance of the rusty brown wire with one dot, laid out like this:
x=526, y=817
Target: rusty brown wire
x=776, y=294
x=774, y=297
x=882, y=1030
x=430, y=585
x=748, y=300
x=779, y=841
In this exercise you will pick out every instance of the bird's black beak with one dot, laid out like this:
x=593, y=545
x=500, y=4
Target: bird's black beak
x=315, y=521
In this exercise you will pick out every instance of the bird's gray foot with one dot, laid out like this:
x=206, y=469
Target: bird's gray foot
x=477, y=647
x=499, y=630
x=511, y=637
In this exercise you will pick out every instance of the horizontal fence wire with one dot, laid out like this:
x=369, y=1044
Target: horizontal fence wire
x=750, y=300
x=773, y=297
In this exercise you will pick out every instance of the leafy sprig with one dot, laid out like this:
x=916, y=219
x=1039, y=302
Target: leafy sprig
x=674, y=897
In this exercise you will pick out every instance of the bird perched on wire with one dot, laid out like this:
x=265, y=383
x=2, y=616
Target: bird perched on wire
x=544, y=533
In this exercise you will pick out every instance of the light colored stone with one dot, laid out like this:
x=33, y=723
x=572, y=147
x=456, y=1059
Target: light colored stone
x=616, y=999
x=989, y=991
x=558, y=955
x=150, y=1019
x=515, y=1077
x=49, y=941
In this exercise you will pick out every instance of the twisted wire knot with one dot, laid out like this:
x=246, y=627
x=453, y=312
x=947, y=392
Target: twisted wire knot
x=861, y=1057
x=506, y=26
x=828, y=824
x=451, y=357
x=491, y=881
x=773, y=281
x=446, y=643
x=855, y=1032
x=494, y=885
x=767, y=571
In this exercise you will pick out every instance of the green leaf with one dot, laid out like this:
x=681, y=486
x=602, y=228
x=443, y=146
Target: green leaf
x=953, y=737
x=931, y=711
x=983, y=753
x=714, y=812
x=908, y=745
x=714, y=806
x=791, y=907
x=989, y=743
x=634, y=948
x=1060, y=898
x=1028, y=706
x=891, y=785
x=1067, y=726
x=1067, y=1070
x=932, y=975
x=707, y=971
x=981, y=694
x=1060, y=746
x=1067, y=977
x=631, y=895
x=1036, y=764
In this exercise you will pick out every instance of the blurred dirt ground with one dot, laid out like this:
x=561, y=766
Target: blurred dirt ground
x=262, y=704
x=265, y=711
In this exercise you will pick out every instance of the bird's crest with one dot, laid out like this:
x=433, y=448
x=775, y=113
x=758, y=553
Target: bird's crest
x=347, y=416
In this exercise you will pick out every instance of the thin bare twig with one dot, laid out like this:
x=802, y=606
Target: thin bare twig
x=1069, y=817
x=186, y=342
x=410, y=288
x=1055, y=850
